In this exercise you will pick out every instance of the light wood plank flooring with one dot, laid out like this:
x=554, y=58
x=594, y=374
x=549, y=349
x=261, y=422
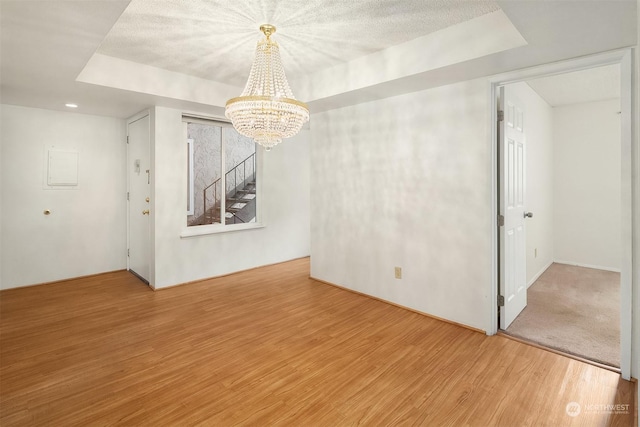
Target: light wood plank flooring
x=272, y=347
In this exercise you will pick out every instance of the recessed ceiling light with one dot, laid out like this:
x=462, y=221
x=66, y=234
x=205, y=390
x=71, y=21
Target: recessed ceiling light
x=71, y=105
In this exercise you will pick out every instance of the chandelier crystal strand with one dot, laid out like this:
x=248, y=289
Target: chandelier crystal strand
x=266, y=110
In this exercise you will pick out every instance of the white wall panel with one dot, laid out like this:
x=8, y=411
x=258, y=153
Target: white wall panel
x=402, y=182
x=285, y=205
x=635, y=336
x=86, y=230
x=587, y=184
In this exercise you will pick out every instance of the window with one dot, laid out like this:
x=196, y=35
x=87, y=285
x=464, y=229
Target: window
x=222, y=175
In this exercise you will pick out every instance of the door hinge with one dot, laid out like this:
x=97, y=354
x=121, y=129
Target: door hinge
x=500, y=220
x=127, y=195
x=500, y=115
x=127, y=139
x=128, y=254
x=500, y=301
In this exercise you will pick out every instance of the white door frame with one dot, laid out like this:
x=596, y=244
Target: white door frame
x=624, y=58
x=131, y=120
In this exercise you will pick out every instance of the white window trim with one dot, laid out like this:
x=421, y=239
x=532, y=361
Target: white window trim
x=192, y=199
x=205, y=230
x=208, y=229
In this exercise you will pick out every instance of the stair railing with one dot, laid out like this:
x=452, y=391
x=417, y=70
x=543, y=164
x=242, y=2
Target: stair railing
x=251, y=160
x=204, y=197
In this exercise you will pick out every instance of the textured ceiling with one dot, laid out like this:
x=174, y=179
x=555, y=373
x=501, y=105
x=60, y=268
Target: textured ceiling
x=216, y=39
x=46, y=45
x=594, y=84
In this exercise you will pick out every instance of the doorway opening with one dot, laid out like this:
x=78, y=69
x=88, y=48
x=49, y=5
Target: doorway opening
x=562, y=250
x=572, y=243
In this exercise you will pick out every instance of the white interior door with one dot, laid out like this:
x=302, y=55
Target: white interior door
x=512, y=193
x=139, y=169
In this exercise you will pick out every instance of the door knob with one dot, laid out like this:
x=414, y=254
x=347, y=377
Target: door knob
x=528, y=214
x=145, y=212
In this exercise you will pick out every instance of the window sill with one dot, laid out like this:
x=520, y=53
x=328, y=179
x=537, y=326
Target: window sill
x=203, y=230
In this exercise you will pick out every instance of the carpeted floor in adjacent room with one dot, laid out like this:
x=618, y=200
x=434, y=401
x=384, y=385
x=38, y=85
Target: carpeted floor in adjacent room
x=575, y=310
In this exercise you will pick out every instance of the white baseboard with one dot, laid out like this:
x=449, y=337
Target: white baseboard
x=597, y=267
x=539, y=273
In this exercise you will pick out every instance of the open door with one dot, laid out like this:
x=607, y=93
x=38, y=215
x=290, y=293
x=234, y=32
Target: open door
x=139, y=169
x=513, y=287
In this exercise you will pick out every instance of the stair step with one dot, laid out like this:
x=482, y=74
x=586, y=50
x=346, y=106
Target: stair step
x=247, y=198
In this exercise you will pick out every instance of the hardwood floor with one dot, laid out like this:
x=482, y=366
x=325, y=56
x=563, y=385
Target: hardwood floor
x=272, y=347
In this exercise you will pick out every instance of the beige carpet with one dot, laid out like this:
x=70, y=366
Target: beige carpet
x=576, y=310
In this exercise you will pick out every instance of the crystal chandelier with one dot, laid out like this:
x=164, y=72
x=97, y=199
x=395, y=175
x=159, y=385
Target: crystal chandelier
x=267, y=111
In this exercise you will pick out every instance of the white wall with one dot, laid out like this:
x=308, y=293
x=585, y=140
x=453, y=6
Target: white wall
x=406, y=181
x=587, y=184
x=1, y=196
x=86, y=231
x=539, y=180
x=635, y=336
x=285, y=206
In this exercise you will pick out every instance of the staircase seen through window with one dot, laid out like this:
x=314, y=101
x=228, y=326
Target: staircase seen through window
x=222, y=174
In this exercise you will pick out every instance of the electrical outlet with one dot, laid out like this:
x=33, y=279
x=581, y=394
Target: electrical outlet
x=398, y=271
x=535, y=253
